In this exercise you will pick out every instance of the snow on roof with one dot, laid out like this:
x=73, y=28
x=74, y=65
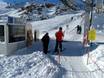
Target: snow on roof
x=11, y=19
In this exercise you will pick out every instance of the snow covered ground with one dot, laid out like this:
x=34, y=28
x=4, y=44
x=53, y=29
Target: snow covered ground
x=52, y=25
x=32, y=63
x=95, y=61
x=35, y=65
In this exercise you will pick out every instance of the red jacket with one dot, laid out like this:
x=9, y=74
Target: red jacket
x=59, y=36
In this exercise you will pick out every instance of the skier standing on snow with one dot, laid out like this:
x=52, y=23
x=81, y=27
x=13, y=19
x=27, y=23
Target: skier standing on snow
x=45, y=40
x=59, y=38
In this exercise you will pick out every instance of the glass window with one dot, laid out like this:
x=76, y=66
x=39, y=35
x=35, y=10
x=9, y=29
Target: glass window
x=16, y=33
x=1, y=33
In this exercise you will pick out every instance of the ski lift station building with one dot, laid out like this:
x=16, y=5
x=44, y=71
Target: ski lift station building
x=12, y=34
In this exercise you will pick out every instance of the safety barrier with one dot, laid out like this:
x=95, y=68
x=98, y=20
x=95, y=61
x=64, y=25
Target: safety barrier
x=97, y=73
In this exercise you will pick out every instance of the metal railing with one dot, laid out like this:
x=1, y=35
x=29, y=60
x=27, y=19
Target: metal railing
x=85, y=74
x=73, y=73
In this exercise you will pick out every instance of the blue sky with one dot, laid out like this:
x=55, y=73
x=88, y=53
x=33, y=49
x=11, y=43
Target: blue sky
x=19, y=1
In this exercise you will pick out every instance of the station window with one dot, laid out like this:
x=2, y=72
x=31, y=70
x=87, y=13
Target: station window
x=1, y=33
x=16, y=33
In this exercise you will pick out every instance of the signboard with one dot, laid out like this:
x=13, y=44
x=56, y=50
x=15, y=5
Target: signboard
x=92, y=34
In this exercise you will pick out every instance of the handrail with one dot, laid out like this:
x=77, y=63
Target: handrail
x=86, y=74
x=97, y=65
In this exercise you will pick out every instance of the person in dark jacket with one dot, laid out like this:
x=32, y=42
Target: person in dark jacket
x=59, y=38
x=79, y=29
x=45, y=41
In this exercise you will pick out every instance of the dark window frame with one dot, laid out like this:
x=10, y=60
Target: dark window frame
x=2, y=33
x=15, y=33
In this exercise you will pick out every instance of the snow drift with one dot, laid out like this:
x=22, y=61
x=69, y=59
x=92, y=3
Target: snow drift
x=35, y=65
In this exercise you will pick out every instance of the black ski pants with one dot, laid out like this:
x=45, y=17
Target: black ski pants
x=58, y=45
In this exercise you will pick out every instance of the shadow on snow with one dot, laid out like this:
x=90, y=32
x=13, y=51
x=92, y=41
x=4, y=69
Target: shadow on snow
x=74, y=48
x=70, y=48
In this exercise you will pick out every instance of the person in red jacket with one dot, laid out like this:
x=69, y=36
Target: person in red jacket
x=59, y=38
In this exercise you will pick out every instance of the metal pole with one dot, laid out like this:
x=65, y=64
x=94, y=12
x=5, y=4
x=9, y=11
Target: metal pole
x=88, y=20
x=102, y=4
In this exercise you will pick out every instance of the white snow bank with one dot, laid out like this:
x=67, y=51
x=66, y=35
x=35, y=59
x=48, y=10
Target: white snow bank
x=54, y=22
x=35, y=65
x=52, y=25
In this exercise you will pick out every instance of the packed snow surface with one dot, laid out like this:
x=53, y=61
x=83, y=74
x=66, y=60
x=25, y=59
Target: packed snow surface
x=73, y=59
x=35, y=65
